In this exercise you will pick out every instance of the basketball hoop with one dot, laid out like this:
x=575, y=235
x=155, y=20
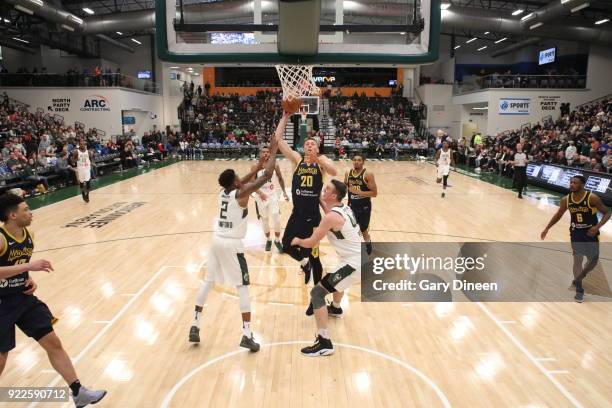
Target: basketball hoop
x=297, y=81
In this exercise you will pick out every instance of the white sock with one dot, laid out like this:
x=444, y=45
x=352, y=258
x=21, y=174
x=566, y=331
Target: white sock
x=336, y=304
x=323, y=333
x=304, y=261
x=246, y=329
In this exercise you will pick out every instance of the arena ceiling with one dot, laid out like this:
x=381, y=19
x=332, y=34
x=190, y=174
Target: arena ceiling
x=15, y=23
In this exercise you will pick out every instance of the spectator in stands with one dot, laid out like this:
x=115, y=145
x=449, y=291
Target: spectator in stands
x=570, y=152
x=63, y=168
x=31, y=170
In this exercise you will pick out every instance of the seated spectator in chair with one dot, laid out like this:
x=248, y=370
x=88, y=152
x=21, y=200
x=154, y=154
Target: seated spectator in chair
x=31, y=172
x=67, y=173
x=13, y=163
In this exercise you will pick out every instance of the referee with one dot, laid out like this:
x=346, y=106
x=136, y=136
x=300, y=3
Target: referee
x=18, y=305
x=520, y=170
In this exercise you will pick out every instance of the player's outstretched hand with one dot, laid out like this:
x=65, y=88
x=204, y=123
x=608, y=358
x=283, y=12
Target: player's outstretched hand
x=543, y=234
x=40, y=265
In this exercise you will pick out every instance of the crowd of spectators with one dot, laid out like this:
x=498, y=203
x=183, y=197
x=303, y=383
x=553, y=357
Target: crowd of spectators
x=377, y=126
x=580, y=138
x=35, y=149
x=231, y=119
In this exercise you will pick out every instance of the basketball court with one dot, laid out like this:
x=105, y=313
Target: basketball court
x=128, y=264
x=124, y=295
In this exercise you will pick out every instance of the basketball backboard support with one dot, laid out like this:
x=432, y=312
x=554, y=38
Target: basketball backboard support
x=244, y=32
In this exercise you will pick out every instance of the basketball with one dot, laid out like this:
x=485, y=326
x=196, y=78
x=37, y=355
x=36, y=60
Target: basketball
x=291, y=104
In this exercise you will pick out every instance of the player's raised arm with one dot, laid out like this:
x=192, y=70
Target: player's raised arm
x=285, y=149
x=247, y=188
x=555, y=218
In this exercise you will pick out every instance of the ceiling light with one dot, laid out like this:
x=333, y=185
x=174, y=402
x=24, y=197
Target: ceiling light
x=486, y=32
x=174, y=67
x=482, y=48
x=67, y=27
x=536, y=25
x=517, y=12
x=527, y=17
x=403, y=33
x=481, y=108
x=565, y=1
x=75, y=19
x=88, y=10
x=19, y=39
x=605, y=20
x=136, y=41
x=501, y=40
x=580, y=7
x=23, y=9
x=38, y=3
x=119, y=32
x=6, y=20
x=457, y=46
x=444, y=6
x=472, y=40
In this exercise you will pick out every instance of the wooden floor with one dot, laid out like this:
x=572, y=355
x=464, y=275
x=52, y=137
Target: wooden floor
x=124, y=294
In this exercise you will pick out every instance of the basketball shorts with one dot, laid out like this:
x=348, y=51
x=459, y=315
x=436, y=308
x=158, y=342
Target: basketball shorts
x=345, y=275
x=583, y=244
x=268, y=207
x=84, y=174
x=362, y=216
x=27, y=312
x=301, y=226
x=226, y=262
x=443, y=171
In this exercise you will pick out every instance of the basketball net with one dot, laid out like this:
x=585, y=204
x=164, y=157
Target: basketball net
x=297, y=81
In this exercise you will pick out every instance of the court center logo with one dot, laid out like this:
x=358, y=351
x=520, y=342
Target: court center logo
x=96, y=103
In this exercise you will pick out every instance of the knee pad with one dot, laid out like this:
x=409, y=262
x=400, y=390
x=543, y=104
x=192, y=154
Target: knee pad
x=317, y=296
x=243, y=295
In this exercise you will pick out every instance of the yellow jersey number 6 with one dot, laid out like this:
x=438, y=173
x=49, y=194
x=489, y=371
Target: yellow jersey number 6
x=306, y=181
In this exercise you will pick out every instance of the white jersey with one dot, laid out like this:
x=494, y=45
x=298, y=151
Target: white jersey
x=445, y=157
x=83, y=161
x=232, y=221
x=268, y=188
x=347, y=241
x=83, y=166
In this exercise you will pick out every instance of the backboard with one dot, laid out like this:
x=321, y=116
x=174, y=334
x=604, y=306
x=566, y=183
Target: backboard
x=351, y=32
